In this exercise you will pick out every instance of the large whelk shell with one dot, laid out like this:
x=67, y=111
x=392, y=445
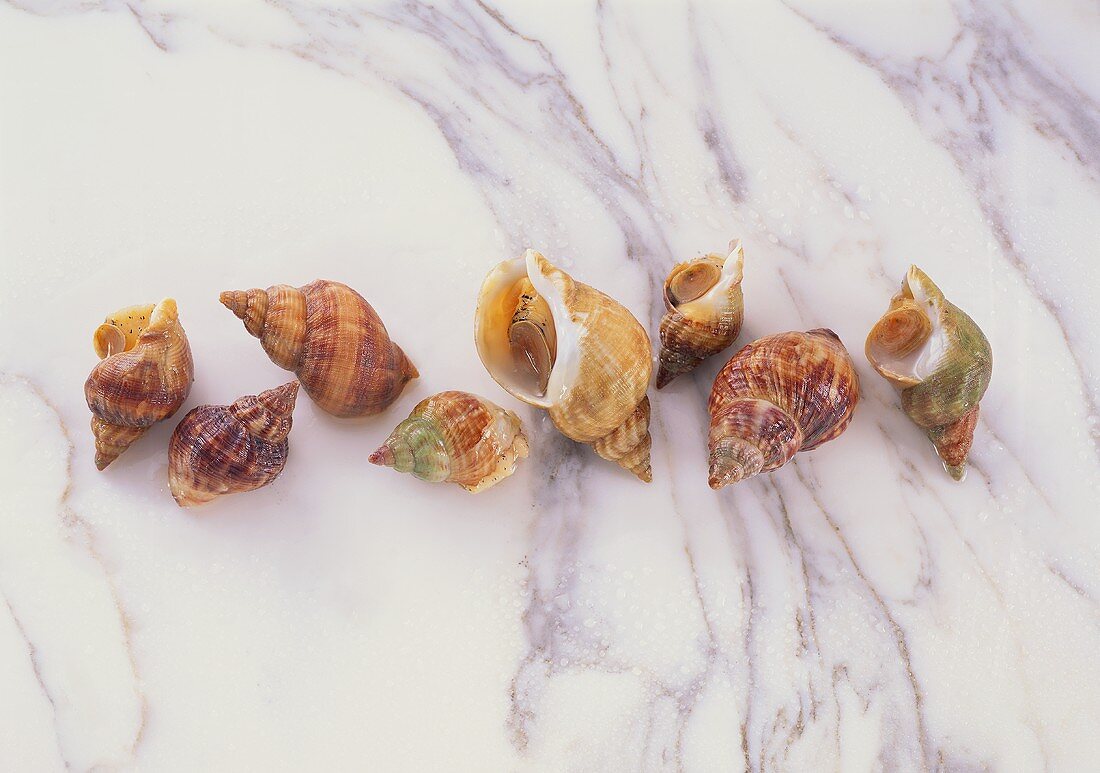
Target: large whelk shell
x=456, y=437
x=144, y=375
x=779, y=395
x=333, y=341
x=705, y=310
x=940, y=360
x=226, y=449
x=597, y=353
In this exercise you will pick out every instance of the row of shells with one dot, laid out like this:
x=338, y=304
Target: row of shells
x=552, y=342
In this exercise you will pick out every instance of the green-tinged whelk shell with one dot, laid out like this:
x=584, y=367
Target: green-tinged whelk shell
x=940, y=360
x=456, y=437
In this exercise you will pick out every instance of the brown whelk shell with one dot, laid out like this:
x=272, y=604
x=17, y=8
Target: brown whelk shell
x=226, y=449
x=331, y=339
x=779, y=395
x=144, y=375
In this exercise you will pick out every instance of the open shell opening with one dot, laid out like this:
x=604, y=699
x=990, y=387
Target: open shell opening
x=525, y=334
x=699, y=287
x=908, y=341
x=691, y=280
x=120, y=331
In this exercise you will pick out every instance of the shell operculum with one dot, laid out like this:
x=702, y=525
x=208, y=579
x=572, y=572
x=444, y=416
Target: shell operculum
x=532, y=339
x=691, y=281
x=120, y=331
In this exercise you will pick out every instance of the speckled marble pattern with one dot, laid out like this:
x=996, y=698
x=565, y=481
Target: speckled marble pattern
x=856, y=610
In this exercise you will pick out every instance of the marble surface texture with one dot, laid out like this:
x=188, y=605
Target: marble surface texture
x=857, y=610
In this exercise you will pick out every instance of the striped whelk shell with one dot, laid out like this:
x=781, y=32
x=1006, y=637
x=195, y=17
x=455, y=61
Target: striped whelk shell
x=705, y=310
x=779, y=395
x=144, y=375
x=939, y=359
x=456, y=437
x=331, y=339
x=227, y=449
x=563, y=346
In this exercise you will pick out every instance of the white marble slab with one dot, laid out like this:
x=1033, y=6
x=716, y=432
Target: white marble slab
x=856, y=610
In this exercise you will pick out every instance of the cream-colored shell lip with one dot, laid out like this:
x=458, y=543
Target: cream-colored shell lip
x=922, y=362
x=495, y=306
x=510, y=445
x=164, y=314
x=717, y=296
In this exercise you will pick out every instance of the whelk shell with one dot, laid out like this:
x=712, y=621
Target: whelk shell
x=777, y=396
x=227, y=449
x=456, y=437
x=939, y=359
x=705, y=310
x=333, y=341
x=580, y=355
x=144, y=375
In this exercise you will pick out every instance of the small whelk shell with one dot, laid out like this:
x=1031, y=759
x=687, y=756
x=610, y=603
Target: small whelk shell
x=226, y=449
x=144, y=375
x=333, y=341
x=940, y=360
x=563, y=346
x=456, y=437
x=705, y=310
x=779, y=395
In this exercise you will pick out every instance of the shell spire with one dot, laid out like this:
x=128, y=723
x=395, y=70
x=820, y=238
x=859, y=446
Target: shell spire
x=267, y=416
x=144, y=375
x=333, y=341
x=779, y=395
x=456, y=437
x=705, y=310
x=940, y=361
x=225, y=449
x=565, y=347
